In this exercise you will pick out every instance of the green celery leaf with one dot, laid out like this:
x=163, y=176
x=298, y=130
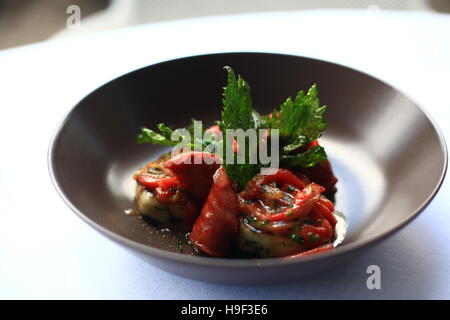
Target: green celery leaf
x=238, y=114
x=237, y=103
x=149, y=136
x=299, y=121
x=306, y=159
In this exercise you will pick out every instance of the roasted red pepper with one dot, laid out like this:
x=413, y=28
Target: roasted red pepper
x=280, y=177
x=217, y=226
x=292, y=197
x=154, y=175
x=302, y=203
x=166, y=188
x=280, y=204
x=194, y=171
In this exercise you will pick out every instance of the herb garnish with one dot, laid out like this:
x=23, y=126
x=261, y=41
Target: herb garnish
x=237, y=114
x=299, y=121
x=313, y=237
x=297, y=238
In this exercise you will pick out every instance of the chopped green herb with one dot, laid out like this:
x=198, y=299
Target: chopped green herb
x=262, y=224
x=313, y=237
x=251, y=219
x=297, y=238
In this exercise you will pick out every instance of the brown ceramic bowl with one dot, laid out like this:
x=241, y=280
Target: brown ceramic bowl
x=389, y=156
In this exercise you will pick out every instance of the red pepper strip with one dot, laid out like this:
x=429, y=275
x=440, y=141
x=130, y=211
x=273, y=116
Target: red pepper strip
x=303, y=203
x=317, y=234
x=280, y=177
x=194, y=170
x=218, y=224
x=326, y=211
x=254, y=209
x=326, y=247
x=152, y=182
x=165, y=195
x=322, y=173
x=327, y=203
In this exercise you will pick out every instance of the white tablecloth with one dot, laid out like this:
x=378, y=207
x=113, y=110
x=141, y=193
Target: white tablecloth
x=47, y=252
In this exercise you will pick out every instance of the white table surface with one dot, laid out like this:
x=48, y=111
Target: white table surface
x=47, y=252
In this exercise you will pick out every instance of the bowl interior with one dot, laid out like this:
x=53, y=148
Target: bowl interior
x=387, y=154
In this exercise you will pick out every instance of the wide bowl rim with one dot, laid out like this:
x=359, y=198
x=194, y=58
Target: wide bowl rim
x=242, y=263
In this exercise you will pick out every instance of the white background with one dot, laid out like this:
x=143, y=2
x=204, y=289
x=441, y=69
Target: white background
x=47, y=252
